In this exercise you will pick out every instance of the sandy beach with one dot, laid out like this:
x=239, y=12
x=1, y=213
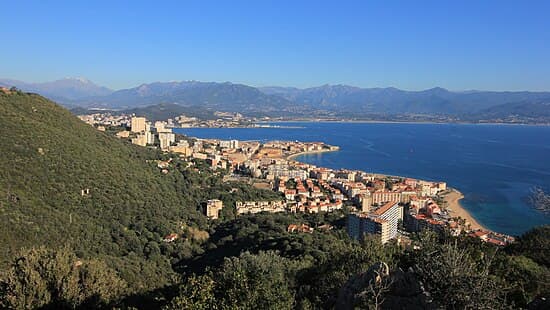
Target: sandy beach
x=452, y=198
x=291, y=157
x=455, y=209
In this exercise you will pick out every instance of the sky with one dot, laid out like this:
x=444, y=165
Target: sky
x=413, y=45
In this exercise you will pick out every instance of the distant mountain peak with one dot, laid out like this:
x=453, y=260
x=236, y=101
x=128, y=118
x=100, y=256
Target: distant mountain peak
x=63, y=90
x=78, y=79
x=438, y=89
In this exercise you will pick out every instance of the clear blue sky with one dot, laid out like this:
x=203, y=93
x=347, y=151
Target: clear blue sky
x=493, y=45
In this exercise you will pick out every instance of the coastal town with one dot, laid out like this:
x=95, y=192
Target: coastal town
x=219, y=119
x=386, y=207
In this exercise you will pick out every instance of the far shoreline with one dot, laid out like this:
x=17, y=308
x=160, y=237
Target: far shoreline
x=402, y=122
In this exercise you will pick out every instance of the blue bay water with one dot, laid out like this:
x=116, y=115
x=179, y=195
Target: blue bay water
x=494, y=166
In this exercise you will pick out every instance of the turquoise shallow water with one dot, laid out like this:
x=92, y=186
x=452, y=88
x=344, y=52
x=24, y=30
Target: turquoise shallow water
x=494, y=166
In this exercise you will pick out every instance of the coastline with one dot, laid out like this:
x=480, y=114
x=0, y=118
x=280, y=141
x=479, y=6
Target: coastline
x=452, y=198
x=293, y=156
x=404, y=122
x=455, y=209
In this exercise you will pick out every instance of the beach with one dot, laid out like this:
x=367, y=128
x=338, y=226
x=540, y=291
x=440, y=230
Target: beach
x=452, y=198
x=456, y=210
x=293, y=156
x=497, y=191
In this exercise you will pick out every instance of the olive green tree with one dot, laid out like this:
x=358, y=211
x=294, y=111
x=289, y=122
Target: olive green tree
x=40, y=277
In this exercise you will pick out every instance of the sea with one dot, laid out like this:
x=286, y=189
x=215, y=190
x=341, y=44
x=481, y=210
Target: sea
x=494, y=166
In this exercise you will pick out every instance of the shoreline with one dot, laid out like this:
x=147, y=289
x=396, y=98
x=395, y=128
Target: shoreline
x=455, y=209
x=404, y=122
x=293, y=156
x=452, y=198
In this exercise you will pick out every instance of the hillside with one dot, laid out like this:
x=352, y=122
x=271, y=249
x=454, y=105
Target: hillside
x=538, y=111
x=49, y=156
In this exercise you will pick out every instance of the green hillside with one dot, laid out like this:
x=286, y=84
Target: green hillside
x=49, y=156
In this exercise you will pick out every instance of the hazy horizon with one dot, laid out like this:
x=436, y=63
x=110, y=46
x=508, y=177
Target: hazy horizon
x=267, y=86
x=490, y=45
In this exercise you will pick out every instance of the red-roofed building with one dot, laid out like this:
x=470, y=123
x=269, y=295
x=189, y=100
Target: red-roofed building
x=495, y=242
x=290, y=194
x=170, y=238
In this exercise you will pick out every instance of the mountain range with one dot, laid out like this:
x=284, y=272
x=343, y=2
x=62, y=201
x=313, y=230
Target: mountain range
x=64, y=90
x=395, y=101
x=221, y=96
x=317, y=102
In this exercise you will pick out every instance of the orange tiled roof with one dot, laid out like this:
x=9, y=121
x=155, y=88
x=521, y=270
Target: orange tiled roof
x=384, y=208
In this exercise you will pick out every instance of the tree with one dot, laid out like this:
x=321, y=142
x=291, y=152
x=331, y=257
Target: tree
x=378, y=287
x=366, y=290
x=455, y=279
x=196, y=293
x=525, y=279
x=255, y=282
x=534, y=244
x=58, y=279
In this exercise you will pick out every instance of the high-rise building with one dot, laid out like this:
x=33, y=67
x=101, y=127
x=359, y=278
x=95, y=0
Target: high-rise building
x=392, y=213
x=230, y=144
x=383, y=221
x=161, y=127
x=360, y=224
x=366, y=202
x=385, y=196
x=166, y=138
x=140, y=139
x=138, y=124
x=150, y=137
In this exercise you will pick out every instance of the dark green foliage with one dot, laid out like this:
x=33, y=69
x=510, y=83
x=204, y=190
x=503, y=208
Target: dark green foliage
x=58, y=279
x=525, y=269
x=525, y=279
x=49, y=157
x=534, y=244
x=322, y=261
x=255, y=282
x=250, y=281
x=196, y=293
x=264, y=232
x=320, y=283
x=456, y=278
